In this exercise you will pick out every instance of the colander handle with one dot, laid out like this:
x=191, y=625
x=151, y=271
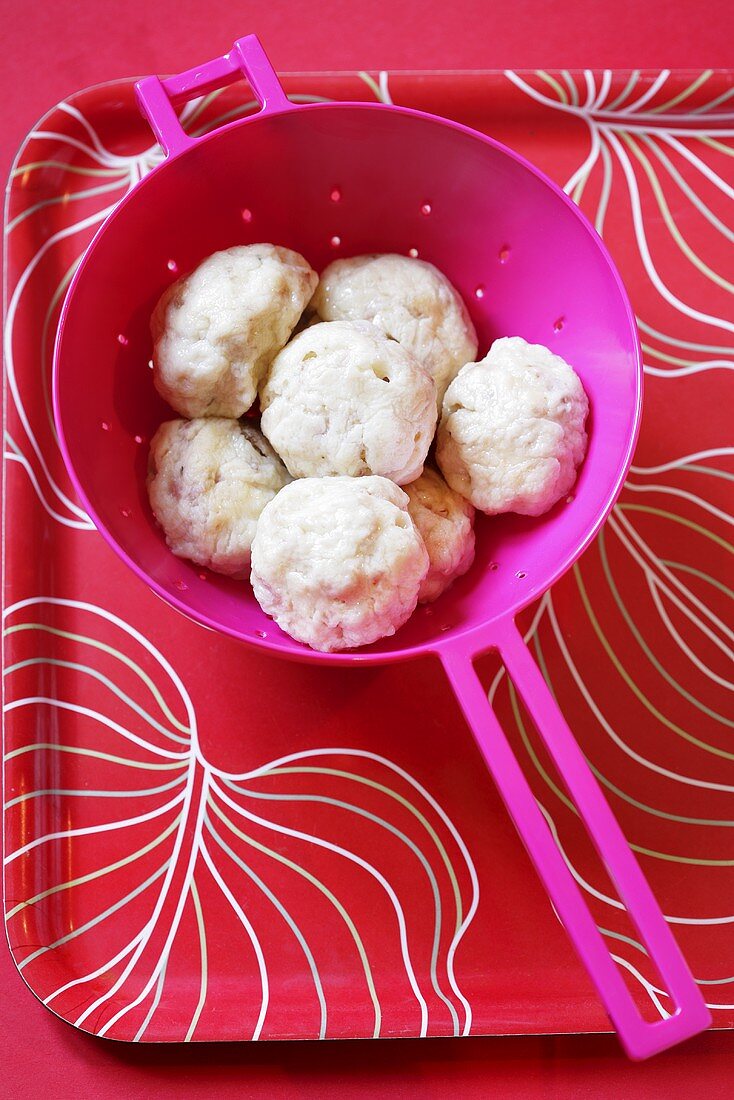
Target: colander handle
x=156, y=97
x=639, y=1038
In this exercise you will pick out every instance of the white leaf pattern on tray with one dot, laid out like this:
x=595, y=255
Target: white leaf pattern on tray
x=206, y=850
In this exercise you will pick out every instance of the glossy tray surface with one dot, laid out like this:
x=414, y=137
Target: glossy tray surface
x=202, y=842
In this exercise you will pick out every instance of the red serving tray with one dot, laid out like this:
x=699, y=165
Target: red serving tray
x=364, y=880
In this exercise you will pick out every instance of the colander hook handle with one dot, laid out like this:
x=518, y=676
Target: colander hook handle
x=639, y=1037
x=156, y=97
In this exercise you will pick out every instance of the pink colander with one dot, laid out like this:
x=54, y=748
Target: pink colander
x=338, y=179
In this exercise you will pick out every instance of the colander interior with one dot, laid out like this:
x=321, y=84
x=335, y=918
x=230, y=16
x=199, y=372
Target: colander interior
x=338, y=180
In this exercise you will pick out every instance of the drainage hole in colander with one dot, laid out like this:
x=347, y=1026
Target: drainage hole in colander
x=246, y=215
x=122, y=339
x=203, y=576
x=181, y=586
x=335, y=241
x=504, y=254
x=105, y=426
x=445, y=627
x=261, y=634
x=520, y=574
x=558, y=324
x=494, y=566
x=172, y=266
x=138, y=439
x=570, y=498
x=426, y=209
x=413, y=253
x=479, y=292
x=336, y=195
x=126, y=512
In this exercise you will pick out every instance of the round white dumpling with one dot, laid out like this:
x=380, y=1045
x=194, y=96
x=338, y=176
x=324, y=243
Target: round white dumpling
x=445, y=522
x=337, y=561
x=208, y=482
x=216, y=330
x=343, y=399
x=410, y=300
x=512, y=429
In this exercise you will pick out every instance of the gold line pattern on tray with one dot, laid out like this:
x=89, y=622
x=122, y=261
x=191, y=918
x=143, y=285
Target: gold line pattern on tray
x=631, y=143
x=200, y=835
x=639, y=135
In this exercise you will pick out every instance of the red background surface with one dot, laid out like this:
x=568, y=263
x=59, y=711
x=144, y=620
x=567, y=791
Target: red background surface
x=52, y=49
